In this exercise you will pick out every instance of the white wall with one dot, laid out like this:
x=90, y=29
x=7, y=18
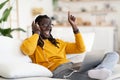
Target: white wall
x=25, y=16
x=25, y=7
x=24, y=13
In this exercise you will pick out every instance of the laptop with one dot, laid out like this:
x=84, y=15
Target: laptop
x=91, y=60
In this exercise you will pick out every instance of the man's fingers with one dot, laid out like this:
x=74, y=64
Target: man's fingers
x=37, y=25
x=70, y=16
x=68, y=13
x=33, y=24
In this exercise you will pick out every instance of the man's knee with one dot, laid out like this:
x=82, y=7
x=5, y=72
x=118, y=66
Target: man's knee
x=113, y=54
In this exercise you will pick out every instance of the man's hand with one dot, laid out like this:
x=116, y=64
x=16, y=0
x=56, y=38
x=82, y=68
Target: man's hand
x=71, y=20
x=35, y=28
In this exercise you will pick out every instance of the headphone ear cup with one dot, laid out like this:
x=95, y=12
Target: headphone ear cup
x=35, y=17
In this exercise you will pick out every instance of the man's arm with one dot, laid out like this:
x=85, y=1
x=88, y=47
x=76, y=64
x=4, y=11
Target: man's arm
x=29, y=45
x=78, y=46
x=71, y=20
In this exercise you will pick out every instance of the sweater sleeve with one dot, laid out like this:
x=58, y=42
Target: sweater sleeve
x=29, y=45
x=77, y=47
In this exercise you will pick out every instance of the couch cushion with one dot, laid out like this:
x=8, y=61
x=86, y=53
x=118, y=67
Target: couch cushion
x=23, y=69
x=10, y=50
x=14, y=64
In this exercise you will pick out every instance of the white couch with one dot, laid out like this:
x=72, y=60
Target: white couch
x=16, y=66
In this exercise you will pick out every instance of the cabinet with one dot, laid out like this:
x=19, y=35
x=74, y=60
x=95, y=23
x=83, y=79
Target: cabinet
x=92, y=14
x=87, y=12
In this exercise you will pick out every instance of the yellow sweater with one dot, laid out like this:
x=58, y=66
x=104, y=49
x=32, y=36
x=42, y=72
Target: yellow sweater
x=51, y=56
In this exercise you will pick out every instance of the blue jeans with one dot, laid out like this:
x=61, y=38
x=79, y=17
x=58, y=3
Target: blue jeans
x=66, y=71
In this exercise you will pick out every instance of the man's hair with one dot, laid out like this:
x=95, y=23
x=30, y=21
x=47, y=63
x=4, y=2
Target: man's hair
x=40, y=17
x=51, y=39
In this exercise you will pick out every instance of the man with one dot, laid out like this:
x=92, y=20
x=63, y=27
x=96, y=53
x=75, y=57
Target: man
x=45, y=50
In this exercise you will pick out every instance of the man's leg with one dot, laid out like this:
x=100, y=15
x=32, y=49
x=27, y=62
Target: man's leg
x=65, y=71
x=73, y=75
x=104, y=70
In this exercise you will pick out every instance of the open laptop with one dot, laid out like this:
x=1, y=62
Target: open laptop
x=91, y=60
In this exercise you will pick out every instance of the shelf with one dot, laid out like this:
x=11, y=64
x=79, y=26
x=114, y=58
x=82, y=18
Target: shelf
x=92, y=13
x=88, y=12
x=93, y=9
x=89, y=0
x=85, y=26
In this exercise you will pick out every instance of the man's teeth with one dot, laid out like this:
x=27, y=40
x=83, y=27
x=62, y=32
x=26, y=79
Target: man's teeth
x=47, y=32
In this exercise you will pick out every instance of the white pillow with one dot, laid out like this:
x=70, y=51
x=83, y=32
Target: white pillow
x=10, y=50
x=19, y=69
x=14, y=64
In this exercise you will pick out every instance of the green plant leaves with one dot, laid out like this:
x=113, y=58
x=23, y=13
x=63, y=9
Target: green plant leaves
x=2, y=4
x=18, y=29
x=8, y=31
x=6, y=13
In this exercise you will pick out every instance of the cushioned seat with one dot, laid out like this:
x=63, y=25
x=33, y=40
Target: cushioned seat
x=13, y=64
x=115, y=76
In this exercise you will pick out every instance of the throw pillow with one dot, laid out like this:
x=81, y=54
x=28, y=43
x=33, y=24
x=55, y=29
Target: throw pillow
x=10, y=50
x=20, y=69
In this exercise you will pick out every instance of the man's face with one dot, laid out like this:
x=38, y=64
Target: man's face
x=46, y=27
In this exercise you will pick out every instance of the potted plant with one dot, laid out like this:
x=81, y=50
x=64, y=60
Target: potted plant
x=3, y=19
